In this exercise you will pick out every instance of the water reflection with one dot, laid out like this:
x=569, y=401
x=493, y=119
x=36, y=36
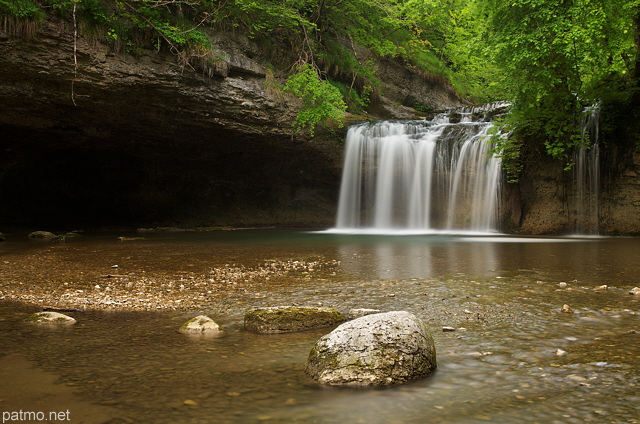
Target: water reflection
x=500, y=293
x=416, y=258
x=433, y=256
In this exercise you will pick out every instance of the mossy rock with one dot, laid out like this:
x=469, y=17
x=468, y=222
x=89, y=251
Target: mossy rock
x=288, y=319
x=50, y=317
x=374, y=350
x=42, y=235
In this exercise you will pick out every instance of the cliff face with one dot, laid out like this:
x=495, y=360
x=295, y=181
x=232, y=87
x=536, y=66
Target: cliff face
x=545, y=201
x=126, y=140
x=140, y=140
x=620, y=210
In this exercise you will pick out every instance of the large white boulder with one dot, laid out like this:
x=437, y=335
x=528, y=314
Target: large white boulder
x=374, y=350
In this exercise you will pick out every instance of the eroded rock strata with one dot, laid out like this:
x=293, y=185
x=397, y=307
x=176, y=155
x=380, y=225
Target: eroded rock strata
x=141, y=140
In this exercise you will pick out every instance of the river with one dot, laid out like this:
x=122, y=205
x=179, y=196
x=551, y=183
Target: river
x=513, y=357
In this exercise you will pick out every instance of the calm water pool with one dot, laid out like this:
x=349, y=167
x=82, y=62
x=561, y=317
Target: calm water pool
x=514, y=357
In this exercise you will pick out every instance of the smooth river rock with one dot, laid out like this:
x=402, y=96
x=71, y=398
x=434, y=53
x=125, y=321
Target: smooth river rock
x=288, y=319
x=201, y=324
x=50, y=317
x=374, y=350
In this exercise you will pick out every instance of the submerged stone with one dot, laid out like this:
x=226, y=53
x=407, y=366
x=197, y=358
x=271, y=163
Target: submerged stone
x=374, y=350
x=50, y=317
x=287, y=319
x=566, y=309
x=201, y=324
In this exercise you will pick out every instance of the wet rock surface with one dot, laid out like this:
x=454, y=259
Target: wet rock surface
x=360, y=312
x=289, y=319
x=51, y=317
x=374, y=350
x=201, y=324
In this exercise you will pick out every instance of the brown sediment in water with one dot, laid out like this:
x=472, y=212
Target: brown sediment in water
x=493, y=306
x=48, y=280
x=34, y=388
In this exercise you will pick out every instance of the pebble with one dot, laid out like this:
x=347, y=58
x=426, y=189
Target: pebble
x=448, y=329
x=602, y=287
x=190, y=402
x=561, y=352
x=562, y=285
x=566, y=309
x=156, y=292
x=635, y=291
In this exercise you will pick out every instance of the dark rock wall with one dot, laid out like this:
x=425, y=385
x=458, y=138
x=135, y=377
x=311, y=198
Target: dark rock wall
x=150, y=142
x=620, y=208
x=544, y=200
x=128, y=140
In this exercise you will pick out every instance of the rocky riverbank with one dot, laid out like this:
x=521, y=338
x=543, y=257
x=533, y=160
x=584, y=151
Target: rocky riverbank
x=41, y=281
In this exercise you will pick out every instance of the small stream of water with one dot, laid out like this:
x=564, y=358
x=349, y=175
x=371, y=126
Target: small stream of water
x=514, y=357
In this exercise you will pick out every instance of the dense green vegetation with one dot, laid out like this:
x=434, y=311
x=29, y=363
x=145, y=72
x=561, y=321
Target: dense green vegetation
x=549, y=58
x=555, y=58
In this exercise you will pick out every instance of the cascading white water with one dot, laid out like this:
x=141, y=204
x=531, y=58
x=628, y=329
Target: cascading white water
x=421, y=176
x=586, y=175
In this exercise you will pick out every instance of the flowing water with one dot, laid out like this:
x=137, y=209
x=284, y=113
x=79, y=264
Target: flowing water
x=586, y=175
x=421, y=175
x=513, y=357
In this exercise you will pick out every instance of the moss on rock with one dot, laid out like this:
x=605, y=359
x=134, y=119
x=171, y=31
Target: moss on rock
x=50, y=317
x=374, y=350
x=287, y=319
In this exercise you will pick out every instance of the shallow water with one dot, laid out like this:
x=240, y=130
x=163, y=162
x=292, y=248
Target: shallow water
x=514, y=357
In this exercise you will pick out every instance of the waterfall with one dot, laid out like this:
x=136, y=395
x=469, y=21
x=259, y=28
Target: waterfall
x=586, y=175
x=421, y=176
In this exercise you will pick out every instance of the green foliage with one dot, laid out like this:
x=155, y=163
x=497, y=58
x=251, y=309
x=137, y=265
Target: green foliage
x=423, y=108
x=549, y=58
x=356, y=101
x=555, y=57
x=260, y=17
x=322, y=101
x=27, y=10
x=168, y=25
